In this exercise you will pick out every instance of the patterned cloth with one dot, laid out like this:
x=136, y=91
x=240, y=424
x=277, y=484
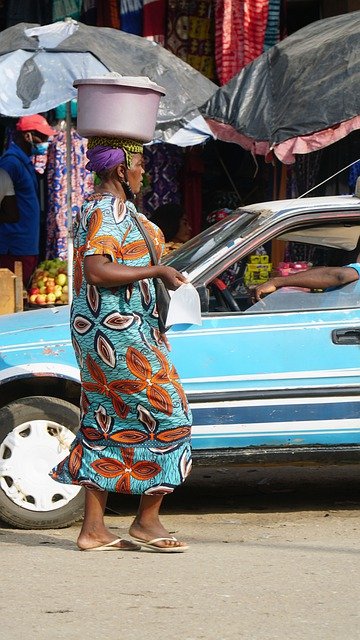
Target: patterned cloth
x=272, y=34
x=164, y=164
x=190, y=33
x=135, y=422
x=129, y=147
x=81, y=183
x=239, y=34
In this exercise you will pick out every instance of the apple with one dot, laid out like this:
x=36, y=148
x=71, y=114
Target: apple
x=34, y=290
x=61, y=279
x=50, y=297
x=32, y=298
x=40, y=299
x=50, y=288
x=40, y=283
x=65, y=288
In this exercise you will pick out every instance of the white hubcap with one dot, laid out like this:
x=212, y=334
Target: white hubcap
x=27, y=455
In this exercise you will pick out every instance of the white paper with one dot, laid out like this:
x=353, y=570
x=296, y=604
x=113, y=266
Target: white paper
x=184, y=307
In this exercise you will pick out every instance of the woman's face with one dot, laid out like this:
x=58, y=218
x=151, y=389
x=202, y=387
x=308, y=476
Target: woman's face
x=136, y=172
x=184, y=231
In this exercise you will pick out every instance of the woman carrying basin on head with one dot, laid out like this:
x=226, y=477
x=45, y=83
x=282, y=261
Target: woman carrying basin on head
x=135, y=421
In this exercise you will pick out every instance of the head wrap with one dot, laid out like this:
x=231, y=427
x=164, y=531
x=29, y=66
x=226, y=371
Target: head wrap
x=101, y=158
x=105, y=153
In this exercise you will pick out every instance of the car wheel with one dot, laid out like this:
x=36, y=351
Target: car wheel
x=35, y=434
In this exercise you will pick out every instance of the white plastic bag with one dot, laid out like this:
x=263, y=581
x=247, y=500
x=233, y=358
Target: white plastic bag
x=184, y=307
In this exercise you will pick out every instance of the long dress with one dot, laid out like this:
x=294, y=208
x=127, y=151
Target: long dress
x=135, y=423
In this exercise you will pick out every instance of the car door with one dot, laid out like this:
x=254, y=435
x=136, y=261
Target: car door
x=286, y=378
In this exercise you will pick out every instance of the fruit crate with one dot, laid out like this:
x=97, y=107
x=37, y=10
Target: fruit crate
x=11, y=290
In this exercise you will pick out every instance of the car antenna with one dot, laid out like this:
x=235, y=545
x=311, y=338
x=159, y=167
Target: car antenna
x=327, y=179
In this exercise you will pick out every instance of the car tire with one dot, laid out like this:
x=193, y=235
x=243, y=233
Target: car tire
x=34, y=435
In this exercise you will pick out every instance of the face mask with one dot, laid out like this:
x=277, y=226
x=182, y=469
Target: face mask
x=39, y=149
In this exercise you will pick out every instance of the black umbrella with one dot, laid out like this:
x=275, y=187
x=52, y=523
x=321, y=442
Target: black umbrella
x=39, y=64
x=301, y=95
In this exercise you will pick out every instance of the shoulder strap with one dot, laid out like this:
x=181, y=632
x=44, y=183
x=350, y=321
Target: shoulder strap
x=144, y=233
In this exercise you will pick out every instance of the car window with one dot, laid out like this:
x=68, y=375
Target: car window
x=292, y=299
x=232, y=289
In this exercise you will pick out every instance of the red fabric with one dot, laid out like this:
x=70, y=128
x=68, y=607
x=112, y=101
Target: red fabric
x=255, y=21
x=193, y=170
x=240, y=28
x=108, y=14
x=29, y=264
x=154, y=20
x=229, y=38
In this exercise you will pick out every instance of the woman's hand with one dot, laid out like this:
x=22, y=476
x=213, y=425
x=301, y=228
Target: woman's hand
x=165, y=341
x=171, y=278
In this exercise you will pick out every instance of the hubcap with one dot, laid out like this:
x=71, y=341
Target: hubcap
x=27, y=455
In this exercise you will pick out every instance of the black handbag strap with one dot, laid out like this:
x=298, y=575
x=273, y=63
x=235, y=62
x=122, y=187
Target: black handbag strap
x=144, y=233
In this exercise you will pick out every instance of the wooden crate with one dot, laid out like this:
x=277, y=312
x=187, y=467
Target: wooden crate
x=11, y=290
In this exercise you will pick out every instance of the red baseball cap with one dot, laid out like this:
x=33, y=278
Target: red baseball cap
x=35, y=123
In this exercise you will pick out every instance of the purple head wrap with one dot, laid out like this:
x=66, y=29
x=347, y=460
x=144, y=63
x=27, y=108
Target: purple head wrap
x=101, y=158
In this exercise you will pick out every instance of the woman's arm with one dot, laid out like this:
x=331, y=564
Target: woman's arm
x=101, y=271
x=316, y=278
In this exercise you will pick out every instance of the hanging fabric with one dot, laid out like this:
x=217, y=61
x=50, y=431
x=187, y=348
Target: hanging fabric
x=229, y=21
x=272, y=34
x=89, y=12
x=35, y=11
x=239, y=34
x=154, y=14
x=131, y=16
x=163, y=164
x=62, y=9
x=82, y=184
x=177, y=28
x=190, y=34
x=108, y=14
x=193, y=172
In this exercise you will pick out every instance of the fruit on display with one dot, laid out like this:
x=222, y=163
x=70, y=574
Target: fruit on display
x=49, y=283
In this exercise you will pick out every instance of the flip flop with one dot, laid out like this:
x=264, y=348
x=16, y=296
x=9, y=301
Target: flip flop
x=111, y=546
x=152, y=546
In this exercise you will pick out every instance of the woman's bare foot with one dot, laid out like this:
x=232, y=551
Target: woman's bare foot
x=153, y=531
x=94, y=540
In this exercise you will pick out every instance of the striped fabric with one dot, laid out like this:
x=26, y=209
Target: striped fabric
x=240, y=28
x=272, y=34
x=131, y=15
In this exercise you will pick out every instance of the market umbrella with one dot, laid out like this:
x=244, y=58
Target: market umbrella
x=39, y=64
x=303, y=94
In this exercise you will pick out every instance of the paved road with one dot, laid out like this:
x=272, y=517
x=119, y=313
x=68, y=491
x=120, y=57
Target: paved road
x=275, y=554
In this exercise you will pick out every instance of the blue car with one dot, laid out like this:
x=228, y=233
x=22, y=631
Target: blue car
x=274, y=381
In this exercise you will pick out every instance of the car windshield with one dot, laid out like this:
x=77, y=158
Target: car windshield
x=223, y=234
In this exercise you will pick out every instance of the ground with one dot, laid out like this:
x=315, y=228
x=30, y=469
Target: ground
x=274, y=555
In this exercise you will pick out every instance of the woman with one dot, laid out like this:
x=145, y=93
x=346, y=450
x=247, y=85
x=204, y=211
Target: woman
x=174, y=224
x=135, y=422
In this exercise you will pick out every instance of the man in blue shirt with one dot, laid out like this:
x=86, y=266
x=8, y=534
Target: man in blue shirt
x=19, y=241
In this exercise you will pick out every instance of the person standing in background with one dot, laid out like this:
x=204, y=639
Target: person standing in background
x=174, y=224
x=19, y=239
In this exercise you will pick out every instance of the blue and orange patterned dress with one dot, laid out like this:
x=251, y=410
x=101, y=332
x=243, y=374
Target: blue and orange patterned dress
x=135, y=422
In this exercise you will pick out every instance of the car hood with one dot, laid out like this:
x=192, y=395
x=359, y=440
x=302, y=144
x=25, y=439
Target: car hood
x=39, y=320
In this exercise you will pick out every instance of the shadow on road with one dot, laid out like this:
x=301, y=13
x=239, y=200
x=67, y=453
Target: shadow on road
x=257, y=489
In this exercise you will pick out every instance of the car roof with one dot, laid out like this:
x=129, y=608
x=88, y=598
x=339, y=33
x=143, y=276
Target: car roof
x=323, y=202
